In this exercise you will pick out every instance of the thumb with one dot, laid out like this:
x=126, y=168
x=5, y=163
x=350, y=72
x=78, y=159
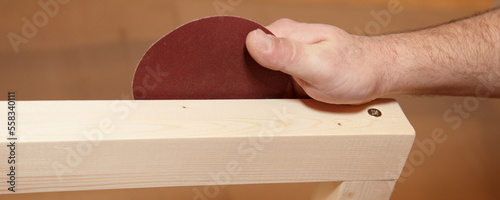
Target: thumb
x=281, y=54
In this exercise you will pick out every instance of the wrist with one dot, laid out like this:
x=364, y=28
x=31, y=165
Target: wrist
x=380, y=53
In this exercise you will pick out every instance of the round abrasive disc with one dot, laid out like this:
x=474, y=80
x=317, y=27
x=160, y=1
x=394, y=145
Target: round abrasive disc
x=207, y=59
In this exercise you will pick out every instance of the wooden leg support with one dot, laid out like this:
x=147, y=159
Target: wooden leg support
x=354, y=190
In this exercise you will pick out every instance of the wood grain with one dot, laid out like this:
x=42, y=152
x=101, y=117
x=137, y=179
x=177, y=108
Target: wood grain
x=89, y=145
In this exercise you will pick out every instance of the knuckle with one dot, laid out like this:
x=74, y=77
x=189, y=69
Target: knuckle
x=284, y=21
x=287, y=53
x=295, y=54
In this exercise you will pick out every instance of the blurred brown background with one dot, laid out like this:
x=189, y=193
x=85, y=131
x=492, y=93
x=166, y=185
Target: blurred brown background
x=88, y=50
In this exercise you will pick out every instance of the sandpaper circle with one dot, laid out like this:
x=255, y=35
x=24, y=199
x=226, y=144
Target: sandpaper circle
x=207, y=59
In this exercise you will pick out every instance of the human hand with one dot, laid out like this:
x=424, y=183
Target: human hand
x=327, y=63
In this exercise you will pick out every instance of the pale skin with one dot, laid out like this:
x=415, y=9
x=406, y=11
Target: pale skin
x=333, y=66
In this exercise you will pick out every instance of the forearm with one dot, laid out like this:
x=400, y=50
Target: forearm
x=460, y=58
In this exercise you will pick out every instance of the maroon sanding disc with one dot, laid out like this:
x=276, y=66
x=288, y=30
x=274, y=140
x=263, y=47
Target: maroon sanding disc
x=207, y=59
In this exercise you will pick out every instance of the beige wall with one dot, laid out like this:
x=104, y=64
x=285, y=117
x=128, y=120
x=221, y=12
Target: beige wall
x=89, y=50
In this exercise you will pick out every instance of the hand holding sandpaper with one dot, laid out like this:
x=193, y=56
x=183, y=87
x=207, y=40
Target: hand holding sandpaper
x=207, y=59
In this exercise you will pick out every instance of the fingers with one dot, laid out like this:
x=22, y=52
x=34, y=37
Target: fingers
x=283, y=54
x=301, y=32
x=325, y=61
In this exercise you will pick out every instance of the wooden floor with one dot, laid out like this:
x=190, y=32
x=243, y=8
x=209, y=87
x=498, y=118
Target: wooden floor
x=89, y=50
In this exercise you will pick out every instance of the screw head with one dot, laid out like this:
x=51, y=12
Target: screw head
x=374, y=112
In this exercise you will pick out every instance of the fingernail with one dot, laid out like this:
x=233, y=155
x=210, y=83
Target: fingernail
x=263, y=41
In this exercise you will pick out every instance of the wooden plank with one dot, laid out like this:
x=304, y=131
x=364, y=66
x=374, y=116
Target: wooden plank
x=89, y=145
